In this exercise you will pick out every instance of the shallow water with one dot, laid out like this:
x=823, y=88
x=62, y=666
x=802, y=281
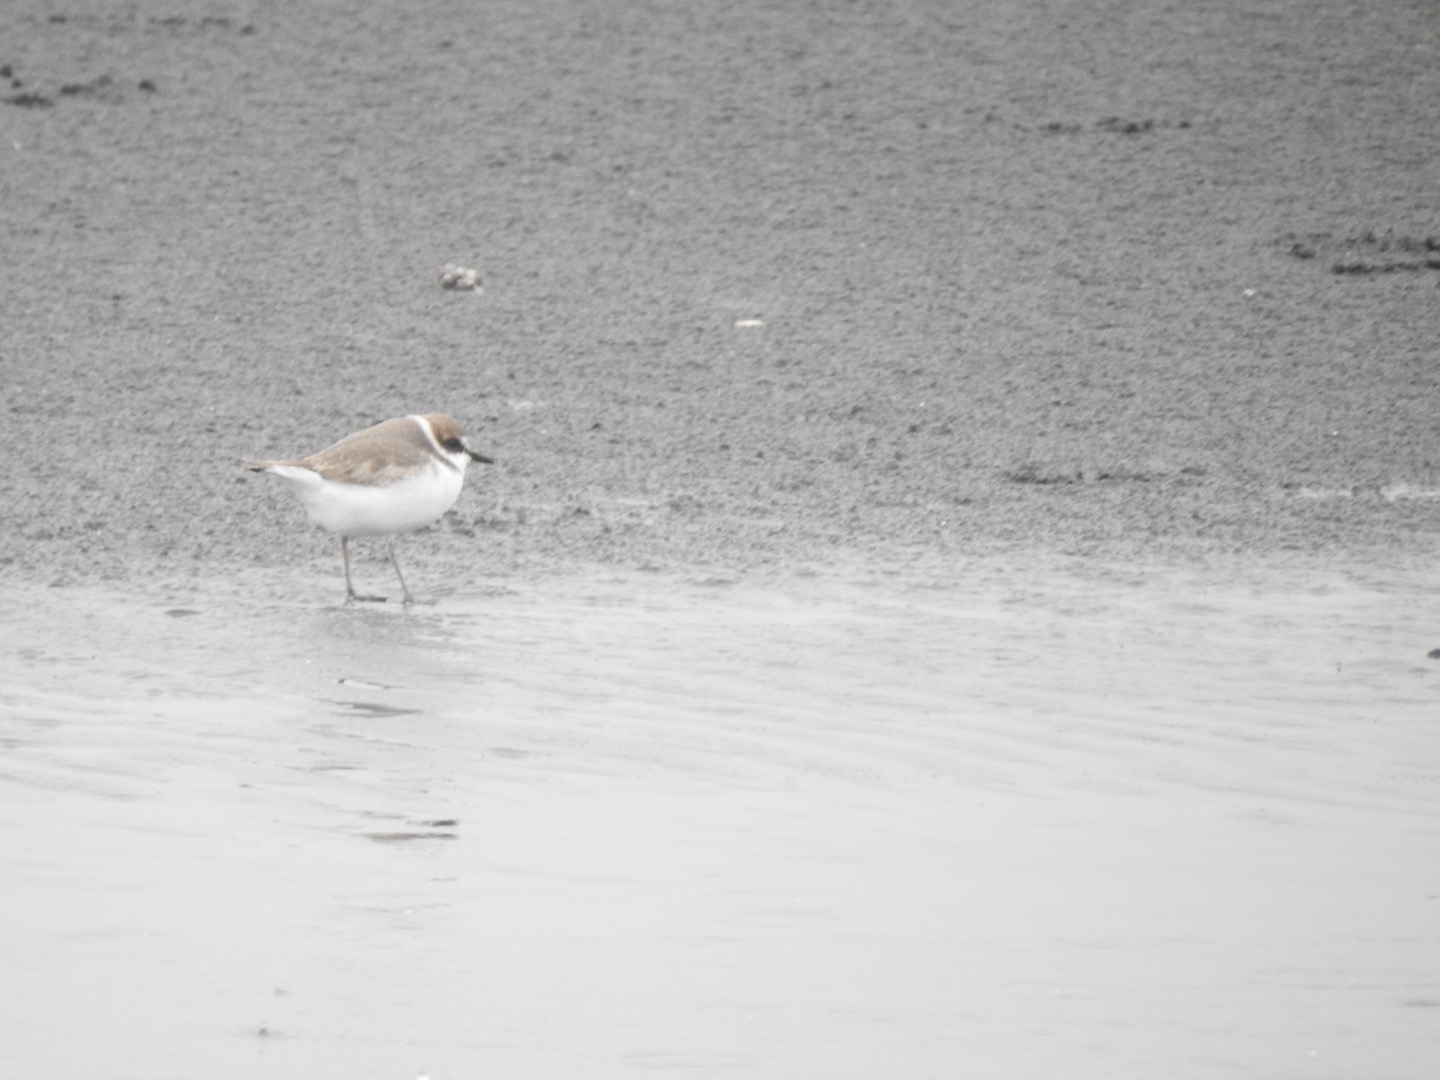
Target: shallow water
x=1076, y=821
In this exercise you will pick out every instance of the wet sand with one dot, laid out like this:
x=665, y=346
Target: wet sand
x=954, y=595
x=1090, y=280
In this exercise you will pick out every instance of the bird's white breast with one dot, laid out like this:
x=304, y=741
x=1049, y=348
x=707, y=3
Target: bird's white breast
x=376, y=509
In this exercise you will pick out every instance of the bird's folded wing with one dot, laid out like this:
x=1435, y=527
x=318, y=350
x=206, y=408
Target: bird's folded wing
x=383, y=454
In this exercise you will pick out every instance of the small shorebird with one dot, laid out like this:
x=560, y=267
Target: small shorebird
x=400, y=475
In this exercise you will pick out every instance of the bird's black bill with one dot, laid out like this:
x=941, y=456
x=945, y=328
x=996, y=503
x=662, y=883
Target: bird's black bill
x=480, y=457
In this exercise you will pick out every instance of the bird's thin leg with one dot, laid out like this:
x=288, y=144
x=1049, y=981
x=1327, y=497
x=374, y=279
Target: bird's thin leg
x=390, y=547
x=350, y=593
x=345, y=562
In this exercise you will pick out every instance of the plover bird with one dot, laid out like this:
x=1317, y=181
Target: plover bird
x=390, y=478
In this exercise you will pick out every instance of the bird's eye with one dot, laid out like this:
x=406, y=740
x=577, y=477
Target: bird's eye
x=453, y=444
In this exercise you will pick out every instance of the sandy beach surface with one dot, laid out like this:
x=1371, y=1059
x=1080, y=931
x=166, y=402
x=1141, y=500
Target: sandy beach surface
x=955, y=595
